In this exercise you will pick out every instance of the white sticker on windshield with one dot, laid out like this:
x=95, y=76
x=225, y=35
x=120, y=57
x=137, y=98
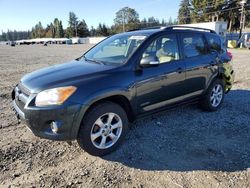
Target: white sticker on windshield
x=137, y=37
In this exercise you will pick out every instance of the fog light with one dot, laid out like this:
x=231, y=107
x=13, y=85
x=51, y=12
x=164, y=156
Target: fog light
x=54, y=126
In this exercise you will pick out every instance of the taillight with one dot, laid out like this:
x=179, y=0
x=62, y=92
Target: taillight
x=230, y=55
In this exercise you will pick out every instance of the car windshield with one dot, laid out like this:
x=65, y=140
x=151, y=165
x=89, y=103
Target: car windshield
x=115, y=50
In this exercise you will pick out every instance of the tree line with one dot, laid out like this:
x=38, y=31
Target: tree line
x=126, y=19
x=15, y=35
x=190, y=11
x=195, y=11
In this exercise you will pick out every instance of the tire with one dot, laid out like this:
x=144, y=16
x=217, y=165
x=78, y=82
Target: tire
x=214, y=96
x=103, y=129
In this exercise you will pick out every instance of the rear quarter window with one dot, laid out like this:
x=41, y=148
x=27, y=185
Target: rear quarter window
x=214, y=43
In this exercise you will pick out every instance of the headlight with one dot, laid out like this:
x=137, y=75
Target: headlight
x=55, y=96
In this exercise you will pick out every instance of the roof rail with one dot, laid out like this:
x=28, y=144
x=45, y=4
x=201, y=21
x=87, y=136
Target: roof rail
x=188, y=27
x=172, y=27
x=148, y=28
x=155, y=27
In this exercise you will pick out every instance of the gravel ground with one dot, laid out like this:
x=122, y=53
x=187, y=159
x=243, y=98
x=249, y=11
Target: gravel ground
x=184, y=147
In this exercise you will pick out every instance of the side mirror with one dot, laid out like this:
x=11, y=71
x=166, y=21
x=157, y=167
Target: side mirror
x=149, y=61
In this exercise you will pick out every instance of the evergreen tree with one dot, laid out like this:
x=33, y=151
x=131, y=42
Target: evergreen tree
x=112, y=30
x=73, y=22
x=102, y=30
x=144, y=23
x=232, y=15
x=58, y=28
x=38, y=31
x=52, y=30
x=49, y=31
x=9, y=36
x=14, y=35
x=82, y=29
x=4, y=36
x=215, y=10
x=92, y=32
x=170, y=21
x=152, y=22
x=184, y=12
x=163, y=22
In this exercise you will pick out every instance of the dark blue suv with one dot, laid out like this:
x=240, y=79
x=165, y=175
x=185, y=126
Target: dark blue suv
x=93, y=98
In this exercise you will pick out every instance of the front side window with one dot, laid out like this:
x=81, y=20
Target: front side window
x=164, y=49
x=116, y=49
x=193, y=45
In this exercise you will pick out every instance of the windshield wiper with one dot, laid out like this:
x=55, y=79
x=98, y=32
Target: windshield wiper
x=94, y=61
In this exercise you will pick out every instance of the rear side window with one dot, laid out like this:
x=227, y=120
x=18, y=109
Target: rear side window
x=214, y=43
x=193, y=45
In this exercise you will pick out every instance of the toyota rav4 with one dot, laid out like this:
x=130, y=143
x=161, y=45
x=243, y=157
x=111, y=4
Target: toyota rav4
x=94, y=98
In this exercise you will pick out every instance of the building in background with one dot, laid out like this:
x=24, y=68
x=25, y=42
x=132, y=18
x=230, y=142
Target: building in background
x=219, y=27
x=75, y=40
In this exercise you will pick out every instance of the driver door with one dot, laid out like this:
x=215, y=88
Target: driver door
x=162, y=84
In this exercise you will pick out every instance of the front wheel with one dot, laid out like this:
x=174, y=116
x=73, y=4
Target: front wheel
x=214, y=97
x=103, y=129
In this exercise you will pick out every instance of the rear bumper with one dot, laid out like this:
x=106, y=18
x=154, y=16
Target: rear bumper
x=39, y=119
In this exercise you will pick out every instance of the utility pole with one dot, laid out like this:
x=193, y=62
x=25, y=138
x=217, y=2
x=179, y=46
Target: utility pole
x=242, y=17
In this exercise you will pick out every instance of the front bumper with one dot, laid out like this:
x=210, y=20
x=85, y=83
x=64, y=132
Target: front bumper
x=39, y=119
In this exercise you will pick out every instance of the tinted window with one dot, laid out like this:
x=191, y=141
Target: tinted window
x=164, y=48
x=214, y=42
x=193, y=45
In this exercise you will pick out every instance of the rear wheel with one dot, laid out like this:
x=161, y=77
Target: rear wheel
x=214, y=97
x=103, y=129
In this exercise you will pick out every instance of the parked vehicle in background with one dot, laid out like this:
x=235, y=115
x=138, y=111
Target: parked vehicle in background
x=244, y=40
x=93, y=98
x=12, y=43
x=247, y=43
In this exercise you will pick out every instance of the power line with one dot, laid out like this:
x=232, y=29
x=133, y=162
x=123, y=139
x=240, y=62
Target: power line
x=212, y=4
x=225, y=10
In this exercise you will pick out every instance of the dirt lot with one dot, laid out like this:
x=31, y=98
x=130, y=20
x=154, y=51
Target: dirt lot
x=184, y=147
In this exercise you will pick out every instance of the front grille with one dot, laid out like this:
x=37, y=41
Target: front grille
x=20, y=104
x=21, y=96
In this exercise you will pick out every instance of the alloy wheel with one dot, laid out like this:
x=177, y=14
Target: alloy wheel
x=216, y=95
x=106, y=130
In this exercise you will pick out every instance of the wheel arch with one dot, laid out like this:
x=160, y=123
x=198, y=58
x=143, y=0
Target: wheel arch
x=218, y=75
x=119, y=99
x=116, y=97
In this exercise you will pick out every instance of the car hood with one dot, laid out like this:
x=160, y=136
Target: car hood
x=62, y=74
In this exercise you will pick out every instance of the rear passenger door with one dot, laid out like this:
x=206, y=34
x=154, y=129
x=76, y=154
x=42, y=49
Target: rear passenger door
x=199, y=63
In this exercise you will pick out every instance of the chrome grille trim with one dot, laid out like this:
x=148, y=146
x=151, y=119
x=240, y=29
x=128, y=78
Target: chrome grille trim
x=24, y=89
x=21, y=96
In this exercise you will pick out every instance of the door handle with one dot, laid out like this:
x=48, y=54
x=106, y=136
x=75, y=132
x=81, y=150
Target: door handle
x=213, y=63
x=179, y=70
